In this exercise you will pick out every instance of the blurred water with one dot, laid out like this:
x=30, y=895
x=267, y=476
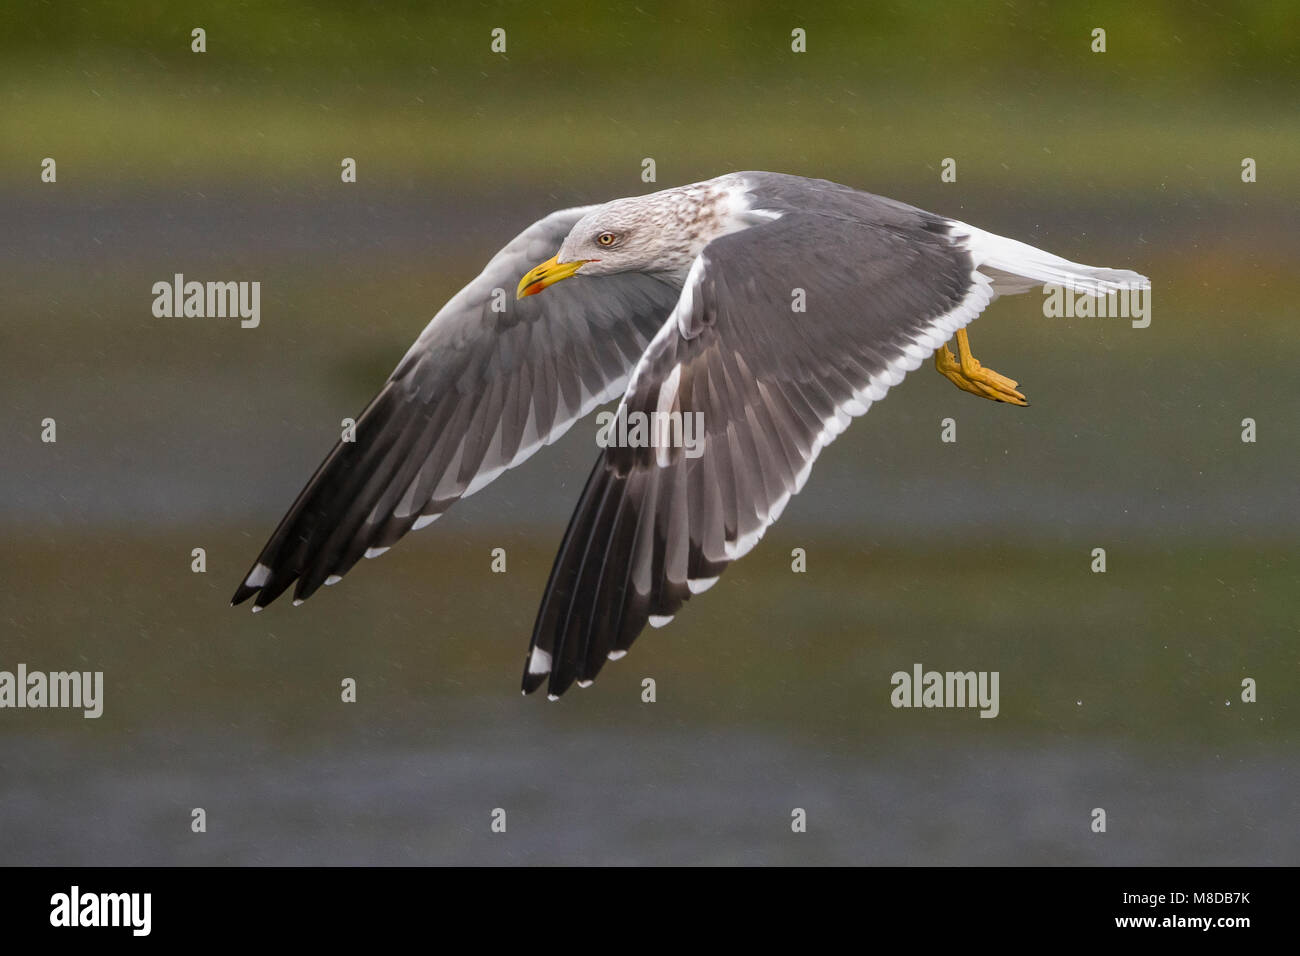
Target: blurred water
x=1120, y=690
x=646, y=795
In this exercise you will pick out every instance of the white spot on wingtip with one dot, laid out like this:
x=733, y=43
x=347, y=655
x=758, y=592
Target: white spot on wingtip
x=424, y=521
x=297, y=602
x=539, y=662
x=616, y=655
x=258, y=576
x=700, y=585
x=585, y=683
x=552, y=696
x=332, y=580
x=659, y=620
x=257, y=608
x=374, y=552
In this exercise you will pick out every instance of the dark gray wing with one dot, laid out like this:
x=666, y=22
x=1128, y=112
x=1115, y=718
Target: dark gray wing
x=488, y=382
x=774, y=386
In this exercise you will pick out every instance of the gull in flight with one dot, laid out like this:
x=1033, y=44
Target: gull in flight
x=679, y=301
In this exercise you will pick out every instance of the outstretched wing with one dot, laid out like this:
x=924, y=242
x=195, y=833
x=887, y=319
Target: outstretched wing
x=488, y=382
x=773, y=386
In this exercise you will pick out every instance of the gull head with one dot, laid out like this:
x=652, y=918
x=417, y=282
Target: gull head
x=656, y=233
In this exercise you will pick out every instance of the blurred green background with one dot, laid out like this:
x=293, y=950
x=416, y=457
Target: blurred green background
x=1119, y=690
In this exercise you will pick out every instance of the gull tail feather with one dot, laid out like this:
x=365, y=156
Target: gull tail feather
x=1018, y=267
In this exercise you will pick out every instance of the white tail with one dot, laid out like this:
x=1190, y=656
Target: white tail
x=1016, y=267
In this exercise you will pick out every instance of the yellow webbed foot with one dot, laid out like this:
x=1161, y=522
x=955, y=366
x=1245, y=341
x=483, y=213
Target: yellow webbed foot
x=970, y=376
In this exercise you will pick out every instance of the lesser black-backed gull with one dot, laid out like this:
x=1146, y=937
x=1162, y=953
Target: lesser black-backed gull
x=680, y=301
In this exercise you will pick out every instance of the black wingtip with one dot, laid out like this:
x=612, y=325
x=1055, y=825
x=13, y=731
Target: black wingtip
x=531, y=682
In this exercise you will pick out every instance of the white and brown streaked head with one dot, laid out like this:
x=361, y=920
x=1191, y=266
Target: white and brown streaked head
x=661, y=232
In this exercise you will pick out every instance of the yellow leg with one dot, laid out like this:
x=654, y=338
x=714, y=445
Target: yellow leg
x=970, y=376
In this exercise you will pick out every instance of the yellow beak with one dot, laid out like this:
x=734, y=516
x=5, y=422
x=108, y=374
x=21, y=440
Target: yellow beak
x=548, y=273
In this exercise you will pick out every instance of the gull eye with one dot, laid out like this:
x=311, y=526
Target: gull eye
x=606, y=238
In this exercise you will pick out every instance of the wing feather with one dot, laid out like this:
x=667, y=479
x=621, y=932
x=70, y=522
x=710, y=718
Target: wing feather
x=479, y=392
x=774, y=387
